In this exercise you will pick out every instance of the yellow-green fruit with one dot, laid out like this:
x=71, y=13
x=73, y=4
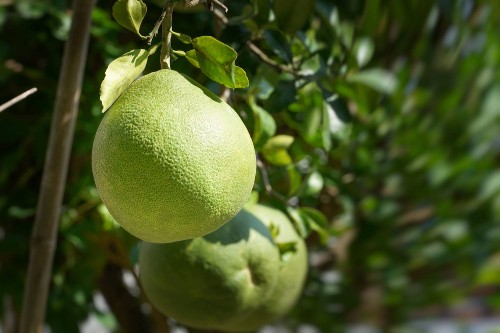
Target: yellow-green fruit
x=171, y=160
x=234, y=279
x=292, y=272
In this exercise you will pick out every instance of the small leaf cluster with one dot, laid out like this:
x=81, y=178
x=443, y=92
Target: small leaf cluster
x=215, y=59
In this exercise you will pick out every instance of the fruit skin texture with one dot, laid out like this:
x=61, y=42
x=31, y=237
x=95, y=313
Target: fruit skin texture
x=171, y=161
x=233, y=279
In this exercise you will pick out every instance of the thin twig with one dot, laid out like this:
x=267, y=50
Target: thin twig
x=55, y=170
x=267, y=185
x=264, y=176
x=212, y=4
x=166, y=35
x=219, y=14
x=262, y=56
x=277, y=66
x=156, y=28
x=17, y=99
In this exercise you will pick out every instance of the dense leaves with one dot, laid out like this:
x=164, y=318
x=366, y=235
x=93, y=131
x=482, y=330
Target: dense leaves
x=376, y=125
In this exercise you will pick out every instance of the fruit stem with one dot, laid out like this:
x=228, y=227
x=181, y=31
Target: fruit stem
x=166, y=35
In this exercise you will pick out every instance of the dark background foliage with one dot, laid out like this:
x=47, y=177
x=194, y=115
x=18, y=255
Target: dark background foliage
x=377, y=125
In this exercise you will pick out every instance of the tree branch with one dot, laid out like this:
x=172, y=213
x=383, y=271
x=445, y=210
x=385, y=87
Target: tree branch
x=124, y=306
x=262, y=56
x=264, y=176
x=17, y=99
x=166, y=35
x=211, y=4
x=43, y=239
x=267, y=184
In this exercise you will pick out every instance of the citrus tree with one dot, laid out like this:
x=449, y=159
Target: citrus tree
x=375, y=128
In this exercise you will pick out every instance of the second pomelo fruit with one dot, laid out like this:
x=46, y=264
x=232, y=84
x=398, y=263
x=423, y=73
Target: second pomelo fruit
x=171, y=160
x=292, y=270
x=234, y=279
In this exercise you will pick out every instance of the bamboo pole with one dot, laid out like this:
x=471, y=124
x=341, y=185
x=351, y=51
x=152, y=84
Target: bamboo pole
x=44, y=234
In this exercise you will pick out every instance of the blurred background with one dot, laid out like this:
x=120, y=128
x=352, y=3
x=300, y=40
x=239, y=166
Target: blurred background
x=391, y=114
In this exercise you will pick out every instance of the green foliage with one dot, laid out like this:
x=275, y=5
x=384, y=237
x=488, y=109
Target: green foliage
x=120, y=73
x=216, y=60
x=129, y=14
x=376, y=125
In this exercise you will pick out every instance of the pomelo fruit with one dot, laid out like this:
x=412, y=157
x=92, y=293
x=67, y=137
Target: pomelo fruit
x=292, y=272
x=171, y=160
x=234, y=279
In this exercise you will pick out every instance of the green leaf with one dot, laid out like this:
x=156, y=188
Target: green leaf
x=294, y=179
x=313, y=185
x=120, y=73
x=264, y=125
x=129, y=14
x=179, y=53
x=298, y=221
x=278, y=43
x=378, y=79
x=326, y=137
x=283, y=95
x=275, y=150
x=339, y=107
x=217, y=61
x=316, y=221
x=182, y=37
x=363, y=49
x=292, y=15
x=192, y=58
x=264, y=82
x=263, y=11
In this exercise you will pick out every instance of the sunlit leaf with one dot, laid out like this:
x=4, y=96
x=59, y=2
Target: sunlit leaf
x=299, y=221
x=120, y=73
x=192, y=58
x=313, y=185
x=363, y=49
x=315, y=221
x=339, y=107
x=129, y=14
x=217, y=61
x=378, y=79
x=275, y=150
x=264, y=125
x=182, y=37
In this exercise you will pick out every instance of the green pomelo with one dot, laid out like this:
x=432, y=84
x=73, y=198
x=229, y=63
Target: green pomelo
x=171, y=160
x=292, y=272
x=212, y=281
x=233, y=279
